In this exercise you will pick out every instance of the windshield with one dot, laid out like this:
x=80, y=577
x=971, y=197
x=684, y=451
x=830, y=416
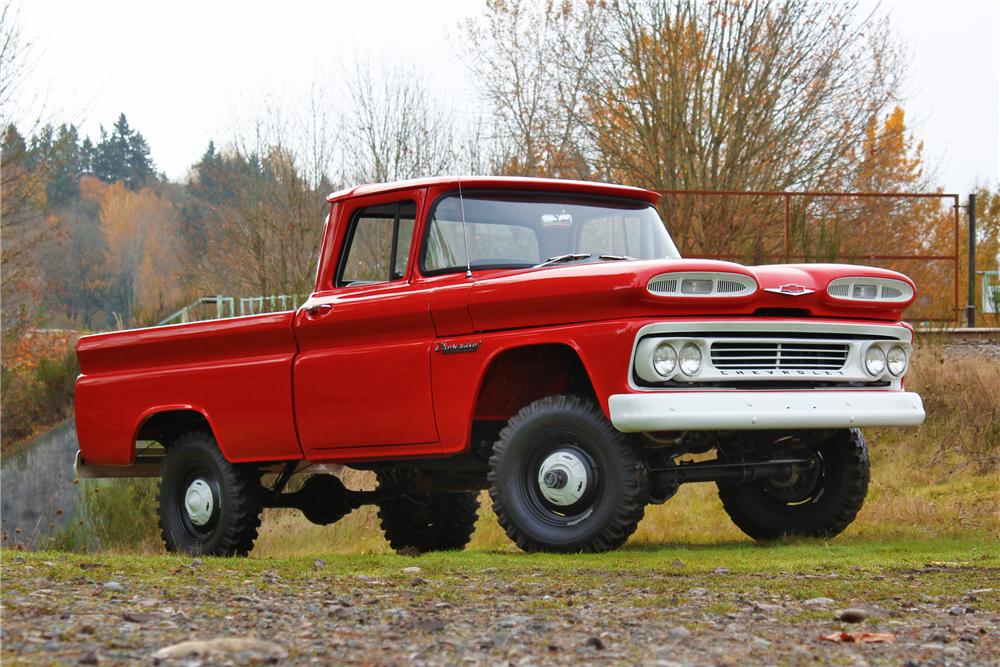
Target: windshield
x=520, y=231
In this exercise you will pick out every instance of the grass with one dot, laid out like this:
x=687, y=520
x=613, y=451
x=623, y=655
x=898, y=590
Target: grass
x=970, y=561
x=485, y=606
x=941, y=480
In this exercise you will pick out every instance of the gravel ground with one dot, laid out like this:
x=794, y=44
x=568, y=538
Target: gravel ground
x=988, y=349
x=655, y=609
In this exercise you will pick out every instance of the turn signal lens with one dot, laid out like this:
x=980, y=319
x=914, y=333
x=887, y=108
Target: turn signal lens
x=665, y=359
x=690, y=359
x=896, y=359
x=875, y=360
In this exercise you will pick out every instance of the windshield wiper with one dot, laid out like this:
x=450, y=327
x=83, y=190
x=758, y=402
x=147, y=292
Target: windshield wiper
x=616, y=258
x=559, y=259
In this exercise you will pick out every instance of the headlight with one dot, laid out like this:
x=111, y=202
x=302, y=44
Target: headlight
x=664, y=359
x=864, y=291
x=696, y=286
x=896, y=360
x=690, y=359
x=875, y=360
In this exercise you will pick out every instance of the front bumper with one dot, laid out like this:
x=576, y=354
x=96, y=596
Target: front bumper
x=752, y=410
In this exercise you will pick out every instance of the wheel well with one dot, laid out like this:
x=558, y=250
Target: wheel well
x=165, y=427
x=522, y=375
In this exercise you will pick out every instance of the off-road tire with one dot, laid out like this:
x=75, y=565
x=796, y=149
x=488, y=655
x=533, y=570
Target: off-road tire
x=552, y=424
x=824, y=511
x=236, y=490
x=429, y=522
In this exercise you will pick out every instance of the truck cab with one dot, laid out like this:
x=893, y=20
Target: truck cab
x=541, y=339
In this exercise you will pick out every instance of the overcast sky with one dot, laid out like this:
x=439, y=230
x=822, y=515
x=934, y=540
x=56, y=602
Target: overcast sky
x=182, y=70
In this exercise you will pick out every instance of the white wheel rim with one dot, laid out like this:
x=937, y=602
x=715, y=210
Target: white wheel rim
x=562, y=478
x=198, y=502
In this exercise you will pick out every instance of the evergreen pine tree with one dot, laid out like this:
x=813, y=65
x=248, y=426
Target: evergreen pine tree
x=40, y=146
x=123, y=156
x=139, y=164
x=87, y=156
x=109, y=158
x=65, y=167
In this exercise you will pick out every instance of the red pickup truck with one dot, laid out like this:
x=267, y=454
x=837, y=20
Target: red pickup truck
x=542, y=339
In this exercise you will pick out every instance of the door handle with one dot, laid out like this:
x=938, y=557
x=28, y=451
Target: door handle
x=314, y=310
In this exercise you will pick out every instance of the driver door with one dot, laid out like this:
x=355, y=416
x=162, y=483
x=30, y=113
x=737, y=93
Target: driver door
x=362, y=375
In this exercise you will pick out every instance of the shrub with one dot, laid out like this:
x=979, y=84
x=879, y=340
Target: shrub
x=116, y=515
x=37, y=395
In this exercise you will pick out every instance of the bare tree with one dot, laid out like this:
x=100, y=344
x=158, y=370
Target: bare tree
x=17, y=62
x=739, y=94
x=23, y=227
x=532, y=61
x=277, y=173
x=396, y=129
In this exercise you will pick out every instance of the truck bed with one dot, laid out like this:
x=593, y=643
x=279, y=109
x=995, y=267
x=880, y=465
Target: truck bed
x=238, y=371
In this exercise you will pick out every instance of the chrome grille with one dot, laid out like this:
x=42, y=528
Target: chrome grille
x=751, y=355
x=724, y=286
x=663, y=285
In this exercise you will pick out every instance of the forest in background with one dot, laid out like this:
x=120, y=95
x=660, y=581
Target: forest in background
x=665, y=94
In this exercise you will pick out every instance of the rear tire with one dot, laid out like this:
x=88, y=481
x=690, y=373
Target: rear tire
x=429, y=522
x=208, y=506
x=821, y=504
x=563, y=479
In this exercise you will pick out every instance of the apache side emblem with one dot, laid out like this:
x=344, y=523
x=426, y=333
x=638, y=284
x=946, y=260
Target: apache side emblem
x=457, y=348
x=790, y=289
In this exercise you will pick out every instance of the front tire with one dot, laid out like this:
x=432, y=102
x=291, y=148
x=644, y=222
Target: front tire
x=818, y=504
x=208, y=506
x=563, y=479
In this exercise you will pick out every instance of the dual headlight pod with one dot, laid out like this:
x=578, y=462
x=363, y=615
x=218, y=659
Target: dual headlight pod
x=876, y=290
x=667, y=359
x=701, y=284
x=879, y=358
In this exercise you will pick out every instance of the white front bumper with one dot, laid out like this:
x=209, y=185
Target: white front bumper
x=749, y=410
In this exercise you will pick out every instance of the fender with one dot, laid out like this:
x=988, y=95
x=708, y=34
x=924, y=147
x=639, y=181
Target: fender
x=603, y=349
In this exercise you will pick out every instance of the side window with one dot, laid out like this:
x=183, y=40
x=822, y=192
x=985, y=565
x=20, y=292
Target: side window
x=378, y=244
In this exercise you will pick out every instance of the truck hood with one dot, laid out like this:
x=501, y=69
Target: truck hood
x=615, y=290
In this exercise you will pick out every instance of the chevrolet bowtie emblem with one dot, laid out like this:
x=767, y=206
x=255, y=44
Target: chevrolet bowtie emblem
x=790, y=289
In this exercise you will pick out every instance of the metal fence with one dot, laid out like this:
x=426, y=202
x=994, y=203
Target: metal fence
x=217, y=307
x=915, y=233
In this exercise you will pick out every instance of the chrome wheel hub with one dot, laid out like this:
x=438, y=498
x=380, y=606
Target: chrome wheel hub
x=198, y=502
x=563, y=478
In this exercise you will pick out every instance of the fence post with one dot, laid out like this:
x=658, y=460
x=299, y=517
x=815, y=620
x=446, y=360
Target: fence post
x=788, y=226
x=971, y=307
